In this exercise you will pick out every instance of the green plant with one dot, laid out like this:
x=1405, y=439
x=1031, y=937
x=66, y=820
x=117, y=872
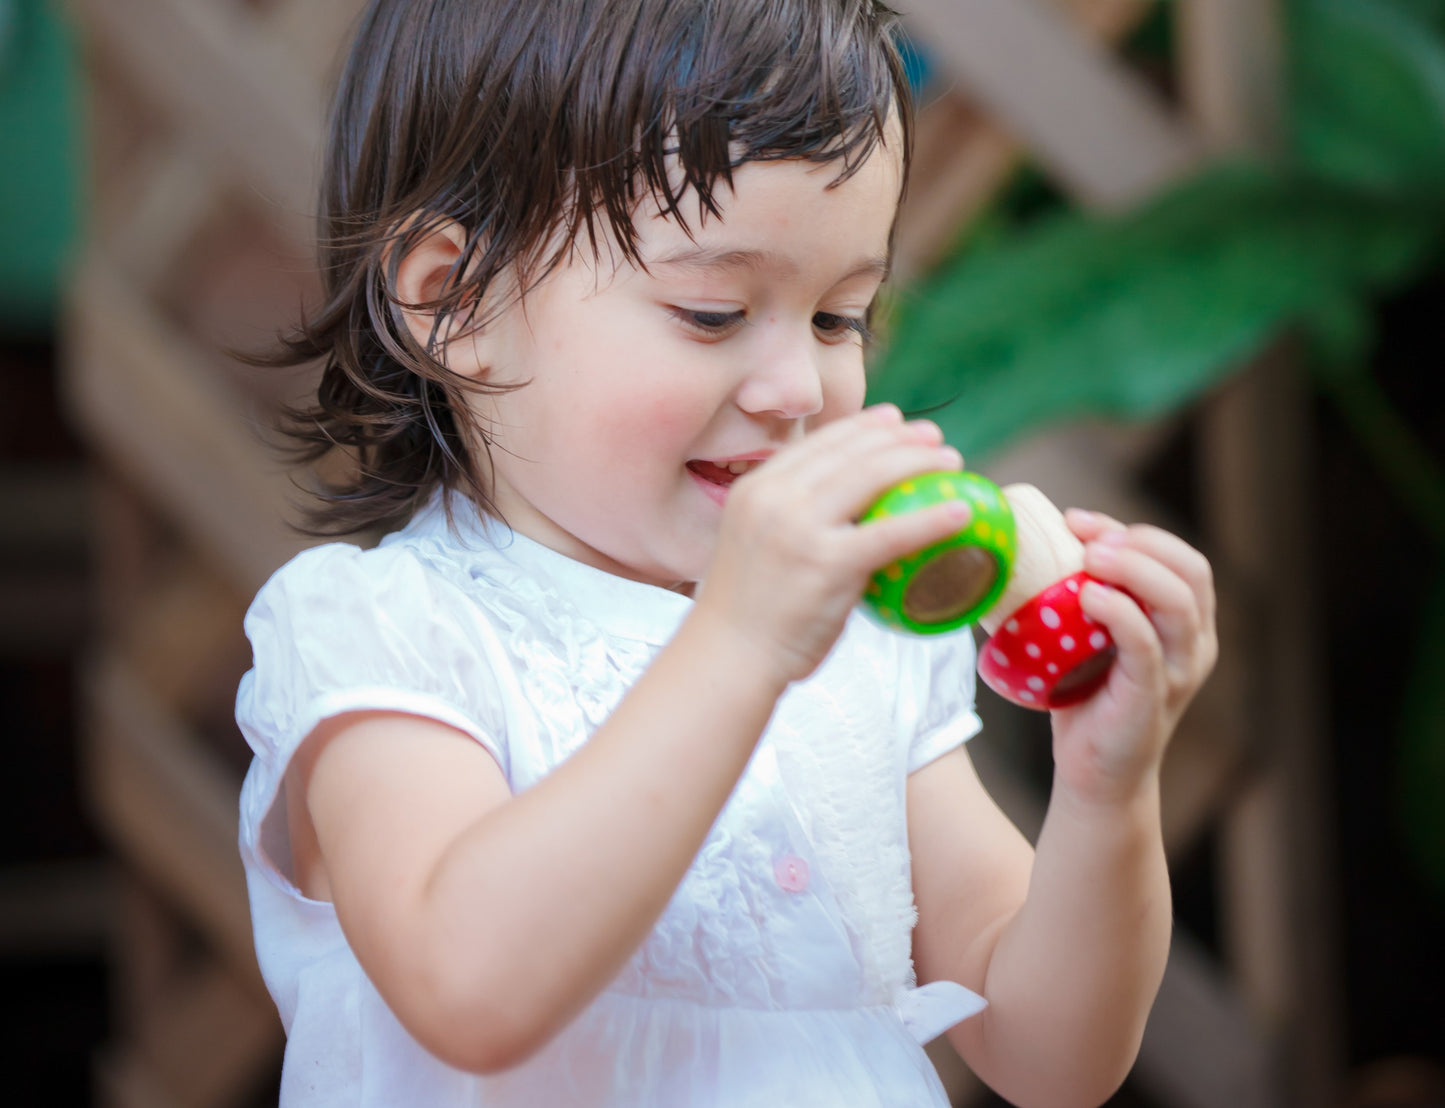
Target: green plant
x=1132, y=316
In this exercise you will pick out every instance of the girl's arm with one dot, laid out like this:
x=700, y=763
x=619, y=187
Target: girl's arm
x=1069, y=946
x=487, y=921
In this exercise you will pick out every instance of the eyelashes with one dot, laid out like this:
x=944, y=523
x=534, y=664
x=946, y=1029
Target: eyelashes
x=712, y=324
x=720, y=325
x=843, y=326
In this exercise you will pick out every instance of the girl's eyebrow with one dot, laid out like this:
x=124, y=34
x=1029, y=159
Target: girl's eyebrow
x=713, y=258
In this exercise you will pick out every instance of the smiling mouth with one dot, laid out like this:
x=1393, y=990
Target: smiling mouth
x=723, y=474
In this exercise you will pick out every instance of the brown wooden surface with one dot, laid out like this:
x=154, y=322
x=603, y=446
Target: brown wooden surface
x=1099, y=129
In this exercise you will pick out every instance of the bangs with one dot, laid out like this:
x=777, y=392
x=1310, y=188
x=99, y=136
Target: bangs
x=578, y=110
x=749, y=81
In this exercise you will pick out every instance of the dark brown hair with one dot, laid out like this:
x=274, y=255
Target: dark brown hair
x=530, y=124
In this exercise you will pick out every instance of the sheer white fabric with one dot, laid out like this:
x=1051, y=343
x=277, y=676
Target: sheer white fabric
x=780, y=973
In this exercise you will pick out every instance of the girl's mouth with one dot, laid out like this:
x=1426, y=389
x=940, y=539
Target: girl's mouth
x=717, y=477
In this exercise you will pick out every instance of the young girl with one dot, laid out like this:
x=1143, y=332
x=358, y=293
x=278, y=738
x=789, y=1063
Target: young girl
x=587, y=786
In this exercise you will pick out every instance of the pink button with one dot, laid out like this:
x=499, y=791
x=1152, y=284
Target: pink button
x=791, y=873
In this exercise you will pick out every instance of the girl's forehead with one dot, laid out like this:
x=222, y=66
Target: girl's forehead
x=773, y=209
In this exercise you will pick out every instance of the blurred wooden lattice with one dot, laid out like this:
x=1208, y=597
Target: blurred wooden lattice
x=207, y=121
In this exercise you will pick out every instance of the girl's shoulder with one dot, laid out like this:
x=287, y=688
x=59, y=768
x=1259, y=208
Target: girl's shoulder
x=341, y=628
x=429, y=561
x=342, y=579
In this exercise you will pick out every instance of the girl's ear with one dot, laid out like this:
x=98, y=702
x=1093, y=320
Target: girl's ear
x=422, y=277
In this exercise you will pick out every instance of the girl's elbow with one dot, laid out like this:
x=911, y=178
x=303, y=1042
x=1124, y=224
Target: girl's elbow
x=485, y=1043
x=479, y=1028
x=1083, y=1083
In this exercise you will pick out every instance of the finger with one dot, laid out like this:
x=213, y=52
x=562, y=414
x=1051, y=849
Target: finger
x=1089, y=525
x=843, y=481
x=1141, y=655
x=1172, y=551
x=844, y=430
x=870, y=421
x=1164, y=547
x=882, y=541
x=1167, y=598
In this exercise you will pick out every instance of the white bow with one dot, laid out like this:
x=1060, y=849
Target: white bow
x=930, y=1010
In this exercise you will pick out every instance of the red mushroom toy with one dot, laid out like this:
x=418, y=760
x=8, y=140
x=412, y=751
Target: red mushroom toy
x=1043, y=651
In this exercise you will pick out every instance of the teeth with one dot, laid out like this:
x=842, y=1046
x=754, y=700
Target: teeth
x=736, y=468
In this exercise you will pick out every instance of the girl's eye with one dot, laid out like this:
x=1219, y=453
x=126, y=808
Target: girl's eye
x=711, y=324
x=839, y=327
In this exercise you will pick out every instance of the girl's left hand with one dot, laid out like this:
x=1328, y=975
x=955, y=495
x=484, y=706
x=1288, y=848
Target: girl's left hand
x=1161, y=614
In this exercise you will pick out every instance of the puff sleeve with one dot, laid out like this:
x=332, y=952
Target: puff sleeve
x=941, y=681
x=340, y=629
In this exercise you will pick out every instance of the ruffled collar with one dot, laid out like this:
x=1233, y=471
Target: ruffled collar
x=620, y=606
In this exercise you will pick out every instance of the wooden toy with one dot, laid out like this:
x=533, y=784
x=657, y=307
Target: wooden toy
x=1043, y=651
x=1016, y=570
x=953, y=582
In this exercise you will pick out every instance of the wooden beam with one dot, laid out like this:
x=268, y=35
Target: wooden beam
x=315, y=32
x=962, y=158
x=185, y=641
x=175, y=197
x=1231, y=72
x=1202, y=1048
x=169, y=807
x=239, y=98
x=155, y=405
x=1280, y=899
x=1280, y=902
x=1097, y=127
x=210, y=1043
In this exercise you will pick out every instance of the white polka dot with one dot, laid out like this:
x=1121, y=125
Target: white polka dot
x=999, y=656
x=1050, y=617
x=1024, y=694
x=1053, y=668
x=1067, y=642
x=1072, y=585
x=1033, y=651
x=1098, y=639
x=1036, y=683
x=1012, y=627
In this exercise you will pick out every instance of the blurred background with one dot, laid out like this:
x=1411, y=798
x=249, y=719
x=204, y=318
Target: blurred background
x=1180, y=260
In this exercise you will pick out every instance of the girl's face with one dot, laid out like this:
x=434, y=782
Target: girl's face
x=643, y=391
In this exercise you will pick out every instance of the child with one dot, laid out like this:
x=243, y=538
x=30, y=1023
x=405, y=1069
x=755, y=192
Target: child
x=588, y=786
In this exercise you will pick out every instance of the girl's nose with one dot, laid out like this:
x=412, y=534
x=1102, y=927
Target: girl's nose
x=788, y=384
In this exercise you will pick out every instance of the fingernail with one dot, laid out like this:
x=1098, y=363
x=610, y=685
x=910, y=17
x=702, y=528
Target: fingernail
x=883, y=413
x=1100, y=553
x=1114, y=538
x=953, y=457
x=959, y=510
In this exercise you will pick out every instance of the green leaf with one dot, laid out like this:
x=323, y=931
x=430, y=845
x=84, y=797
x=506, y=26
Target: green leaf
x=40, y=189
x=1136, y=315
x=1428, y=13
x=1368, y=100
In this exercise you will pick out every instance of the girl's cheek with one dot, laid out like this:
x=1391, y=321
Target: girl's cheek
x=846, y=393
x=651, y=420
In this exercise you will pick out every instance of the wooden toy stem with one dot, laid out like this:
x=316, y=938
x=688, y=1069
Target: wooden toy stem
x=1047, y=552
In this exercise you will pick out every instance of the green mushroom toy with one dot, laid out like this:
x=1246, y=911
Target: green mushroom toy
x=956, y=581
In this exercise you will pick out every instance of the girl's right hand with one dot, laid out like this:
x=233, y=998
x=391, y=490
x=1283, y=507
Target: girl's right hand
x=791, y=563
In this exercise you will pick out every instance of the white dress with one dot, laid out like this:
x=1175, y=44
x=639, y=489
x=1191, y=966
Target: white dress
x=780, y=973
